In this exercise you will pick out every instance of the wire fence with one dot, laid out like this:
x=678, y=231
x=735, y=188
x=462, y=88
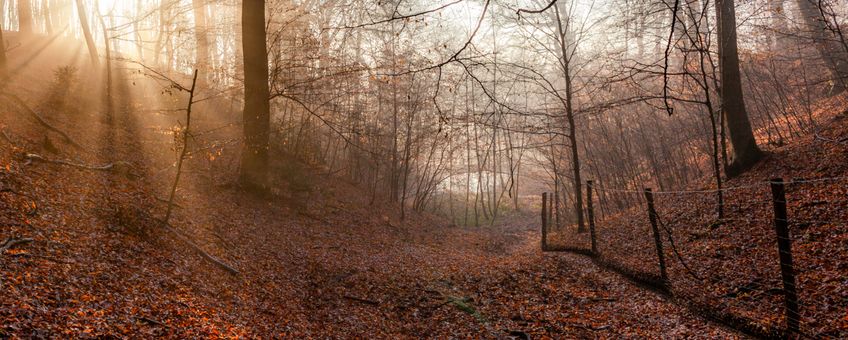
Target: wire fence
x=773, y=264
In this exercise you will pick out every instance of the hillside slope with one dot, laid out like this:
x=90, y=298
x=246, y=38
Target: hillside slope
x=731, y=264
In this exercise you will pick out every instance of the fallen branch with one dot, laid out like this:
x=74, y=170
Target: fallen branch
x=11, y=242
x=119, y=166
x=365, y=301
x=200, y=251
x=41, y=120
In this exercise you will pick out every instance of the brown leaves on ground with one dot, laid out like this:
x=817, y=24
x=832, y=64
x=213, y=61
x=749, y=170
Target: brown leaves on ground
x=98, y=266
x=736, y=259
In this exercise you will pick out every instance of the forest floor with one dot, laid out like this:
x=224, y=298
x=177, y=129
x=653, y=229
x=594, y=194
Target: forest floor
x=95, y=261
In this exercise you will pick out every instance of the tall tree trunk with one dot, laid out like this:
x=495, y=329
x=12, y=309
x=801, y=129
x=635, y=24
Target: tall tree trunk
x=572, y=129
x=745, y=150
x=835, y=57
x=106, y=41
x=202, y=37
x=257, y=110
x=25, y=17
x=86, y=31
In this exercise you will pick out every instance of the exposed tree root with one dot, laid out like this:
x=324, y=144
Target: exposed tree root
x=41, y=120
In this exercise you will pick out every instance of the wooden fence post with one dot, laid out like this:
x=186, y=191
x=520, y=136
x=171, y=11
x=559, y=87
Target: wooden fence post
x=544, y=221
x=652, y=215
x=591, y=216
x=551, y=221
x=784, y=246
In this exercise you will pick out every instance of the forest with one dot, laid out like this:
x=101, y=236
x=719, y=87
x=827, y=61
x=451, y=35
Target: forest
x=504, y=169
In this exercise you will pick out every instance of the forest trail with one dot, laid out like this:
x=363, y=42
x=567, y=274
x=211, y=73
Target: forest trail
x=333, y=266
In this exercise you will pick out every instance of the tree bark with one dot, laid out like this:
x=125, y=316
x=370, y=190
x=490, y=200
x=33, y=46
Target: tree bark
x=256, y=115
x=746, y=153
x=86, y=30
x=836, y=58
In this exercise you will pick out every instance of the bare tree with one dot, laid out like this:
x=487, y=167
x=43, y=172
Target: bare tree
x=566, y=60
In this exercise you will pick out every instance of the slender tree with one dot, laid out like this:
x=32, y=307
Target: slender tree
x=86, y=30
x=745, y=150
x=566, y=58
x=256, y=115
